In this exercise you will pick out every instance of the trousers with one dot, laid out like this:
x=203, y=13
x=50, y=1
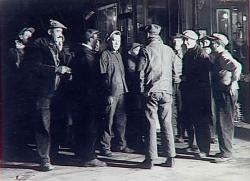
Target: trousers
x=157, y=107
x=225, y=103
x=115, y=117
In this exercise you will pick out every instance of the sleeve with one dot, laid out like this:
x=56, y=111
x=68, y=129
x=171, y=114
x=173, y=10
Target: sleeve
x=105, y=83
x=140, y=69
x=90, y=63
x=208, y=64
x=230, y=64
x=33, y=61
x=142, y=60
x=104, y=63
x=176, y=67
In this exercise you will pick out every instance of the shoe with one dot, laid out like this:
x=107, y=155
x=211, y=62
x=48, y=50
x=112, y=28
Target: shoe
x=124, y=150
x=170, y=162
x=222, y=160
x=219, y=155
x=192, y=148
x=46, y=167
x=179, y=140
x=201, y=155
x=94, y=163
x=146, y=164
x=106, y=153
x=127, y=150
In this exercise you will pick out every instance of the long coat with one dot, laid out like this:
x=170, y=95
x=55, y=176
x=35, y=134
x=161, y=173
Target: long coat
x=196, y=86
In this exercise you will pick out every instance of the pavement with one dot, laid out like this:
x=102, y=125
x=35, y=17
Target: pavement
x=123, y=167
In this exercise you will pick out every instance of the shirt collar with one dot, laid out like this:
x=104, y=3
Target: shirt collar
x=88, y=46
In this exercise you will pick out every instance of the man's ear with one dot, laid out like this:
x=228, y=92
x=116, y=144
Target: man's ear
x=49, y=32
x=20, y=37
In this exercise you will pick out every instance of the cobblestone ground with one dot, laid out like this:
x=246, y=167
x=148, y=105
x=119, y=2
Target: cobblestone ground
x=123, y=167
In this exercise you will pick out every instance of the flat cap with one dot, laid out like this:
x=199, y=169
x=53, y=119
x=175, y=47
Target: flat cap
x=30, y=29
x=222, y=38
x=116, y=32
x=152, y=29
x=89, y=33
x=133, y=46
x=56, y=24
x=177, y=36
x=190, y=34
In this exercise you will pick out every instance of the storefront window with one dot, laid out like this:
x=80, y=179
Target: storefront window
x=107, y=19
x=239, y=37
x=223, y=21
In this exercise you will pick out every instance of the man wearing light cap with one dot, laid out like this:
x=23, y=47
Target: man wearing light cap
x=156, y=64
x=225, y=75
x=86, y=83
x=43, y=70
x=196, y=94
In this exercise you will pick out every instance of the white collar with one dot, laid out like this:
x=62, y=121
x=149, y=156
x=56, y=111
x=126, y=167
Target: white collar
x=88, y=46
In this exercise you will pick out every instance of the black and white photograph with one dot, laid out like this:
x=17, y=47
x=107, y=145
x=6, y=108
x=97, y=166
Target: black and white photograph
x=124, y=90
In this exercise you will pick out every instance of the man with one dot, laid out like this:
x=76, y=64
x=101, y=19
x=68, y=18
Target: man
x=87, y=79
x=13, y=95
x=60, y=107
x=177, y=100
x=114, y=89
x=196, y=93
x=156, y=63
x=43, y=69
x=206, y=45
x=225, y=75
x=134, y=102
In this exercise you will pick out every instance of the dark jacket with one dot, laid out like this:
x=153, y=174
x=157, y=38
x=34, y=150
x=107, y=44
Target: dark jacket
x=86, y=74
x=11, y=75
x=113, y=74
x=196, y=89
x=39, y=68
x=196, y=67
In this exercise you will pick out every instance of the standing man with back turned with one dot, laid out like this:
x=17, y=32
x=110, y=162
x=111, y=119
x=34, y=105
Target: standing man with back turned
x=157, y=62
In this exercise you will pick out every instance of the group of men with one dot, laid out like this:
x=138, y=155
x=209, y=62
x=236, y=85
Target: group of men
x=89, y=88
x=205, y=92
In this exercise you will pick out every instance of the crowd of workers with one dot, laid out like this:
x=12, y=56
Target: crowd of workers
x=190, y=87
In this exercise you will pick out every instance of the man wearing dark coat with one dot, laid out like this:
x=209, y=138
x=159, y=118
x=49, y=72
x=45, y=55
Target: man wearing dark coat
x=42, y=73
x=14, y=112
x=196, y=93
x=86, y=84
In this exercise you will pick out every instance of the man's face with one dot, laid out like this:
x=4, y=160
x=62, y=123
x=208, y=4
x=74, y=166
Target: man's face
x=214, y=46
x=56, y=32
x=59, y=42
x=190, y=43
x=136, y=50
x=25, y=36
x=97, y=45
x=178, y=43
x=95, y=42
x=116, y=42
